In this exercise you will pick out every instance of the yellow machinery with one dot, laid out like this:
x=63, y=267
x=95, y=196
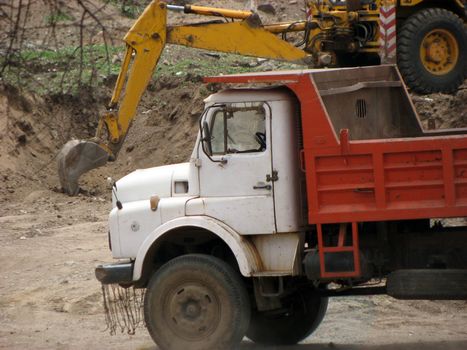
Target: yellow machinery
x=432, y=54
x=427, y=38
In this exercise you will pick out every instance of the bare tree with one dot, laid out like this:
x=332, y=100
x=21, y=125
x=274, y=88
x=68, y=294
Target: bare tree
x=69, y=41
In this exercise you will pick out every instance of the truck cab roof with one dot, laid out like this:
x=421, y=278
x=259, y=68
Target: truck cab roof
x=272, y=93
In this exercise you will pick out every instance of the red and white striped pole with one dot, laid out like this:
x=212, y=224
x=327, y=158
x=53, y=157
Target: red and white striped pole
x=387, y=31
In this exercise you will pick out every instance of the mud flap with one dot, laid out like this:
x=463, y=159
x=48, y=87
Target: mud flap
x=75, y=158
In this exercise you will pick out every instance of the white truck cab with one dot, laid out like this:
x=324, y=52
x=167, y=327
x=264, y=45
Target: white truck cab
x=243, y=183
x=189, y=233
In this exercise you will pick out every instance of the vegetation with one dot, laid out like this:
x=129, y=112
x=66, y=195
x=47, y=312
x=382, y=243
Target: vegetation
x=58, y=16
x=89, y=54
x=69, y=69
x=63, y=70
x=52, y=46
x=130, y=8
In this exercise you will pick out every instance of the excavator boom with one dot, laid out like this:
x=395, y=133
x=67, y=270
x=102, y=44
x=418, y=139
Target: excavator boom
x=145, y=42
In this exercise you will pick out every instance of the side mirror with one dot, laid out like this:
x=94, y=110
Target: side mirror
x=206, y=133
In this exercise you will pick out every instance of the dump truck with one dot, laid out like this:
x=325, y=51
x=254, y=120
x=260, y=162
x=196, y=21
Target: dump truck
x=432, y=54
x=302, y=186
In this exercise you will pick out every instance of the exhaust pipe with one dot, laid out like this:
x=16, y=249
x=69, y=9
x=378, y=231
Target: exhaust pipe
x=75, y=158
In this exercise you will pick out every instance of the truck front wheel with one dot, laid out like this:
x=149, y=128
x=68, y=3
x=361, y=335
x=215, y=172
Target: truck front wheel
x=196, y=302
x=432, y=51
x=302, y=313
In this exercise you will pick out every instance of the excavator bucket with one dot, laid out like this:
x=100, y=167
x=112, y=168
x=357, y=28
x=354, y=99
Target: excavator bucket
x=75, y=158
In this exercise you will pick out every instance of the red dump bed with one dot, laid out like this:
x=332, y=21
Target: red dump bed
x=366, y=156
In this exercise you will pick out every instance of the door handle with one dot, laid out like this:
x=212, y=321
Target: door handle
x=262, y=187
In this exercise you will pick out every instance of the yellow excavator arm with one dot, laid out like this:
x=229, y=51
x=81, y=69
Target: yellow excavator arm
x=145, y=42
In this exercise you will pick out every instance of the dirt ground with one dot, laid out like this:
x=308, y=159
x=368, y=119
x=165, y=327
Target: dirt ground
x=49, y=297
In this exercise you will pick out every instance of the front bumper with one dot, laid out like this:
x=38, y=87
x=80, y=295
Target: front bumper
x=121, y=273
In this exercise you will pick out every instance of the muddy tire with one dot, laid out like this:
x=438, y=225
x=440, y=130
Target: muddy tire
x=305, y=311
x=196, y=302
x=432, y=51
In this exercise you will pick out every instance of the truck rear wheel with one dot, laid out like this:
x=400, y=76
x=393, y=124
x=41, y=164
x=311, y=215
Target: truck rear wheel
x=196, y=302
x=303, y=312
x=432, y=51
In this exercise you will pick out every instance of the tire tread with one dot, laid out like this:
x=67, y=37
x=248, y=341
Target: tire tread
x=414, y=77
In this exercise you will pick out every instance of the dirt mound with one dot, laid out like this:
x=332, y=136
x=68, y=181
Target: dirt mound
x=34, y=129
x=447, y=111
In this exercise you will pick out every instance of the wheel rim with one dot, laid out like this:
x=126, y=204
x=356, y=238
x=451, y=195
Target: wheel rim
x=439, y=51
x=192, y=311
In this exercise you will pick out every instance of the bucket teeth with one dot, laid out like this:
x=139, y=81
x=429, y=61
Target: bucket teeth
x=76, y=158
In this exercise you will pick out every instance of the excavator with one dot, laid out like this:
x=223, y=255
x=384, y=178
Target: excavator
x=431, y=54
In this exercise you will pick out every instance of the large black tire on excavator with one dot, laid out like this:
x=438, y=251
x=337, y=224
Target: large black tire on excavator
x=432, y=51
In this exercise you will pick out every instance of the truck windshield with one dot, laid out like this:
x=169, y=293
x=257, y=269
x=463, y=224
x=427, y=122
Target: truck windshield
x=239, y=129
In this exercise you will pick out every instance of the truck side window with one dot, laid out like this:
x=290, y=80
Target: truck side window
x=239, y=129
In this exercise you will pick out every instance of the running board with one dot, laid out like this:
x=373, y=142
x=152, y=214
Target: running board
x=428, y=284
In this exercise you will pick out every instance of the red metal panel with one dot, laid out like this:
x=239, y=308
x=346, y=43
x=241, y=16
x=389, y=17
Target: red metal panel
x=389, y=180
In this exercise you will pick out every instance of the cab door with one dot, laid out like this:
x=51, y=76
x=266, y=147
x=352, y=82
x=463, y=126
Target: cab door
x=235, y=165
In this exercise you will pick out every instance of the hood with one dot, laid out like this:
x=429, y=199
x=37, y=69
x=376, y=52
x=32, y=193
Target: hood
x=144, y=183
